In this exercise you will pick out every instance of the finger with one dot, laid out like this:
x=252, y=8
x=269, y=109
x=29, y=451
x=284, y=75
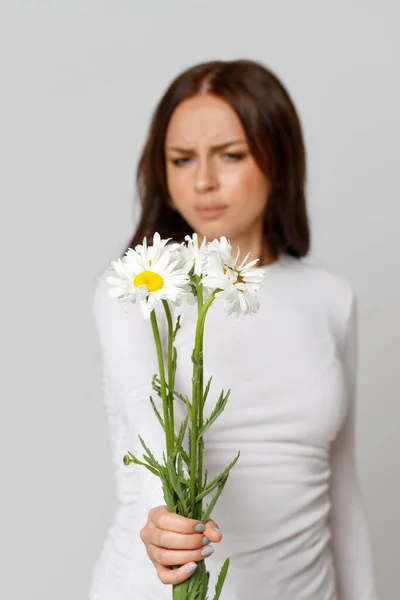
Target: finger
x=164, y=519
x=178, y=541
x=174, y=576
x=170, y=558
x=210, y=533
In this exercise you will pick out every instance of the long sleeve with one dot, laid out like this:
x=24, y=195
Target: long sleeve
x=114, y=565
x=350, y=537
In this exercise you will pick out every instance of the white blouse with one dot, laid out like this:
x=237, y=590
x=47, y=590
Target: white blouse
x=291, y=511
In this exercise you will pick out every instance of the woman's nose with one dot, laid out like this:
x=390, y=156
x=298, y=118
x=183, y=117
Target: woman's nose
x=205, y=178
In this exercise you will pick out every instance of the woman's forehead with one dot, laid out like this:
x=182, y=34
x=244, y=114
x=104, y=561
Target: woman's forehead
x=204, y=119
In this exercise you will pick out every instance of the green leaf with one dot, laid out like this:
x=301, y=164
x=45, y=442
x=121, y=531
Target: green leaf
x=214, y=499
x=181, y=435
x=195, y=585
x=219, y=407
x=185, y=457
x=221, y=578
x=175, y=483
x=205, y=478
x=184, y=399
x=180, y=465
x=174, y=362
x=213, y=484
x=207, y=389
x=138, y=462
x=177, y=327
x=184, y=481
x=189, y=407
x=156, y=385
x=150, y=458
x=190, y=438
x=196, y=361
x=168, y=495
x=157, y=413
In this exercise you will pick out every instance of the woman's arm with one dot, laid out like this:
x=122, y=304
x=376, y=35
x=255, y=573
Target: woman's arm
x=350, y=536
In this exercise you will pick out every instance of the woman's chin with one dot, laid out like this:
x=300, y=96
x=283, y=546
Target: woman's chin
x=215, y=231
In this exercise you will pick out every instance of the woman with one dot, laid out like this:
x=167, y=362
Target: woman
x=225, y=157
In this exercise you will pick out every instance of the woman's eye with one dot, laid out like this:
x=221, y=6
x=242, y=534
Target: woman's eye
x=232, y=156
x=180, y=161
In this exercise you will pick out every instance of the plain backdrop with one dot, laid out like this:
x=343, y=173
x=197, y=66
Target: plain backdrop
x=78, y=83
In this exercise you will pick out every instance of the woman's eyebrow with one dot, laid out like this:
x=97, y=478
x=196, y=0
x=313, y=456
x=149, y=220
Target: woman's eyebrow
x=215, y=147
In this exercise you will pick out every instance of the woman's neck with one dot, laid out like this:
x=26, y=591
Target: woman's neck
x=256, y=250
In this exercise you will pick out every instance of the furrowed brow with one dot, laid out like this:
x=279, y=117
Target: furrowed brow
x=215, y=147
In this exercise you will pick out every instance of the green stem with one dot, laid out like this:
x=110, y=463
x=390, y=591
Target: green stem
x=170, y=370
x=201, y=393
x=157, y=339
x=197, y=399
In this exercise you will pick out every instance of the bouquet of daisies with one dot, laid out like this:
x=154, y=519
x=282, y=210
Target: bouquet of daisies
x=175, y=273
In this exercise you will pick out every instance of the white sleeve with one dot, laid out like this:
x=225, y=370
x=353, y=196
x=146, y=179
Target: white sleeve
x=350, y=537
x=112, y=569
x=129, y=361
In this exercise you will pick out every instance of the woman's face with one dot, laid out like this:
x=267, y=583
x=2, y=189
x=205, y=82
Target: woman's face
x=213, y=180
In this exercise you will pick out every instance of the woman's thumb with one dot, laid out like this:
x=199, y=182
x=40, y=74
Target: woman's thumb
x=212, y=531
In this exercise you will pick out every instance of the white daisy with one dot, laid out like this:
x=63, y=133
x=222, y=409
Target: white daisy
x=223, y=249
x=151, y=253
x=193, y=255
x=239, y=284
x=149, y=274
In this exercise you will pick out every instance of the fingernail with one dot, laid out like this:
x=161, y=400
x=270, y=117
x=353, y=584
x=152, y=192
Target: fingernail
x=207, y=551
x=192, y=568
x=200, y=527
x=217, y=530
x=205, y=541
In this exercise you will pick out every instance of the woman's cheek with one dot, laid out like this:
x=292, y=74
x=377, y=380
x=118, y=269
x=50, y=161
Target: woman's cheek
x=180, y=186
x=256, y=188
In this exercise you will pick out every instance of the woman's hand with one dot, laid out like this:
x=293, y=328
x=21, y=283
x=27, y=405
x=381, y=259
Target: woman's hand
x=171, y=539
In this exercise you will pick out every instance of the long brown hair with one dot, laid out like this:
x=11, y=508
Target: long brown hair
x=275, y=139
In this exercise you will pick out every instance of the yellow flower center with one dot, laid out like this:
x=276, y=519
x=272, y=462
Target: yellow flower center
x=153, y=281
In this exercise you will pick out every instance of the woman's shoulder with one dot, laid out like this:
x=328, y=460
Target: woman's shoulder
x=316, y=277
x=100, y=285
x=319, y=287
x=100, y=300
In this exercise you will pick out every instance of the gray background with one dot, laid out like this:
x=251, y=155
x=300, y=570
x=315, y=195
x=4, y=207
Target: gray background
x=78, y=83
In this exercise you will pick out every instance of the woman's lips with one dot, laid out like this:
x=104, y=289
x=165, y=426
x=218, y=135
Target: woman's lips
x=210, y=212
